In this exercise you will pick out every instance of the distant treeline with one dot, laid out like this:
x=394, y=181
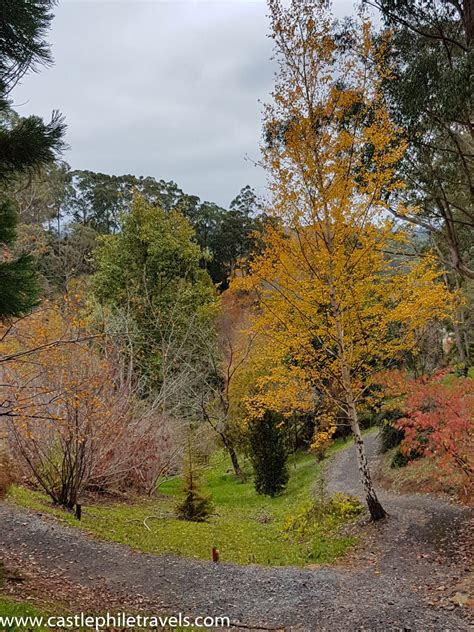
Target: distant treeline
x=64, y=211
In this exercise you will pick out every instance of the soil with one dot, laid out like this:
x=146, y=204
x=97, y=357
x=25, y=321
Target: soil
x=412, y=571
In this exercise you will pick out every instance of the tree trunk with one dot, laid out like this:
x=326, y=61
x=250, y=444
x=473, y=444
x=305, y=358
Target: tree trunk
x=458, y=335
x=461, y=334
x=235, y=463
x=233, y=457
x=468, y=10
x=375, y=508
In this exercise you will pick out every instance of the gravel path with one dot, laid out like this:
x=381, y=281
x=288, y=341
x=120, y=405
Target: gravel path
x=384, y=588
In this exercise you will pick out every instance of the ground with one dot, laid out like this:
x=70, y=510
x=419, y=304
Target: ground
x=244, y=526
x=400, y=578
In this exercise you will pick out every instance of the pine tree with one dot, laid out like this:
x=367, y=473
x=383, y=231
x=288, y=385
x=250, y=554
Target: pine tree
x=194, y=507
x=17, y=276
x=25, y=143
x=268, y=454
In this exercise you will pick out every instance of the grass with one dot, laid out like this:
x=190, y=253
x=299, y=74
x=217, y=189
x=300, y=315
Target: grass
x=11, y=608
x=248, y=528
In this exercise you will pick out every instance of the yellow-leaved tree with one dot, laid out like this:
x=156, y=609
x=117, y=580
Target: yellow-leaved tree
x=338, y=296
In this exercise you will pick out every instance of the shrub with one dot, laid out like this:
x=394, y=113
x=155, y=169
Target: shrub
x=437, y=420
x=81, y=423
x=344, y=506
x=399, y=459
x=194, y=507
x=268, y=454
x=314, y=514
x=390, y=435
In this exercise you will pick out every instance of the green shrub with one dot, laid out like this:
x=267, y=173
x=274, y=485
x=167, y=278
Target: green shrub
x=268, y=454
x=401, y=459
x=344, y=506
x=195, y=507
x=390, y=437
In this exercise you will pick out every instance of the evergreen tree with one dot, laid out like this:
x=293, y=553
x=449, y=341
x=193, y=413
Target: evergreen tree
x=17, y=276
x=268, y=454
x=151, y=271
x=194, y=507
x=429, y=92
x=102, y=201
x=25, y=143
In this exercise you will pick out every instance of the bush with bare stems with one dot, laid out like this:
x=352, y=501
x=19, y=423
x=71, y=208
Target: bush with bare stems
x=74, y=419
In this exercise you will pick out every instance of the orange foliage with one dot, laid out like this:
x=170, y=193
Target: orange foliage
x=70, y=410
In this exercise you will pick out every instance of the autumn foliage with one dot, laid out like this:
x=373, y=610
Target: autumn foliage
x=74, y=422
x=438, y=419
x=337, y=301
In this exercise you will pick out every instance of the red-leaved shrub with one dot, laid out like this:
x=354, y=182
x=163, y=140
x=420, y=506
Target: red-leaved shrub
x=438, y=418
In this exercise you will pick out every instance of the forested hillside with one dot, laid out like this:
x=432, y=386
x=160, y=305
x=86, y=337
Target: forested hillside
x=184, y=378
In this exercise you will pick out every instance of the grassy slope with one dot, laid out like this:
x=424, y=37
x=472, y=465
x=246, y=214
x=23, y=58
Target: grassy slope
x=10, y=608
x=247, y=529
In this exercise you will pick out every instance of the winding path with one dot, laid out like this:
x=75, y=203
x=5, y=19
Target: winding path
x=383, y=589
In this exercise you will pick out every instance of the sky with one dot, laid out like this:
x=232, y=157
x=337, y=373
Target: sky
x=171, y=89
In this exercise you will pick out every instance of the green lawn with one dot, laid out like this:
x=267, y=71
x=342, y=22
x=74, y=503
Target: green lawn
x=10, y=608
x=248, y=528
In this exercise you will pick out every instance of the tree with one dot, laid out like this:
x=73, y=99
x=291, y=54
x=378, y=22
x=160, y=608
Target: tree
x=40, y=197
x=59, y=260
x=151, y=271
x=246, y=202
x=430, y=56
x=235, y=237
x=17, y=275
x=63, y=406
x=66, y=257
x=227, y=352
x=268, y=453
x=98, y=200
x=335, y=301
x=25, y=143
x=101, y=201
x=194, y=507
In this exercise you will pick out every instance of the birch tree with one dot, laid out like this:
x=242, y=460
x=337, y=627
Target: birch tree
x=336, y=299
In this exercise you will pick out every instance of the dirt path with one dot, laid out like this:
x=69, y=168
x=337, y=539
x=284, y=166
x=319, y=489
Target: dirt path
x=386, y=586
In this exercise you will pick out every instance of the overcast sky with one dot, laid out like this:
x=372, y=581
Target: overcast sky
x=167, y=89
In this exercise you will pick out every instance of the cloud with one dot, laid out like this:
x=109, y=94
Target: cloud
x=168, y=89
